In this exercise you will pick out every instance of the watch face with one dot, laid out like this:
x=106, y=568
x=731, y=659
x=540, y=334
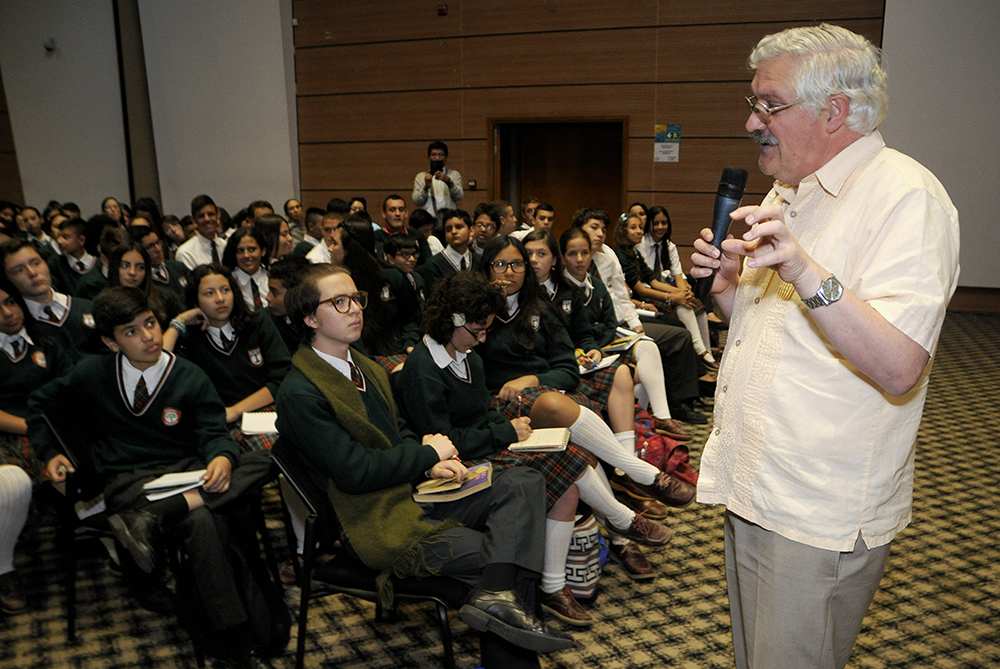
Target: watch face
x=832, y=289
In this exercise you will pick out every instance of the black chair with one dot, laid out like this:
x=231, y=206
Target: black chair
x=83, y=485
x=344, y=574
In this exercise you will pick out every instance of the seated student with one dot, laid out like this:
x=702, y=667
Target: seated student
x=174, y=234
x=168, y=274
x=541, y=219
x=296, y=216
x=590, y=302
x=646, y=286
x=442, y=388
x=29, y=360
x=530, y=367
x=401, y=252
x=129, y=266
x=94, y=282
x=35, y=232
x=337, y=411
x=154, y=414
x=391, y=328
x=247, y=254
x=457, y=256
x=241, y=351
x=75, y=262
x=426, y=224
x=67, y=320
x=394, y=222
x=356, y=204
x=283, y=276
x=204, y=244
x=486, y=224
x=277, y=235
x=681, y=366
x=321, y=252
x=313, y=235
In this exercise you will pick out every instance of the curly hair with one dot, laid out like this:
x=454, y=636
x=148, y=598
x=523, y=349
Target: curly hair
x=463, y=293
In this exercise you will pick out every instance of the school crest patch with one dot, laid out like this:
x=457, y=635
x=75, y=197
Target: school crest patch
x=567, y=306
x=536, y=321
x=385, y=293
x=256, y=357
x=88, y=320
x=171, y=417
x=39, y=359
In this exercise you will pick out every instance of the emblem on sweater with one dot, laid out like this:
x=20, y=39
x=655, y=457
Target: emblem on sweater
x=567, y=306
x=256, y=358
x=385, y=293
x=171, y=416
x=39, y=359
x=88, y=320
x=536, y=321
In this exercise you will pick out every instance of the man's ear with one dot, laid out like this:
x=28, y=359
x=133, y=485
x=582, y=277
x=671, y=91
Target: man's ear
x=110, y=343
x=838, y=109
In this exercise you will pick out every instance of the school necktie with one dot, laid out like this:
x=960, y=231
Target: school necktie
x=657, y=264
x=462, y=266
x=50, y=315
x=255, y=291
x=160, y=274
x=227, y=343
x=80, y=266
x=16, y=343
x=141, y=395
x=215, y=251
x=356, y=378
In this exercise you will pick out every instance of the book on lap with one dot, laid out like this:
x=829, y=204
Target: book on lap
x=174, y=483
x=543, y=439
x=479, y=477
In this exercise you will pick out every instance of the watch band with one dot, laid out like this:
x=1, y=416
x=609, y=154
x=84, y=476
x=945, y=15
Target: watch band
x=829, y=292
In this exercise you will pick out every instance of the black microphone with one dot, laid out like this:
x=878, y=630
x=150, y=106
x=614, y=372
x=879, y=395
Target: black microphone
x=727, y=200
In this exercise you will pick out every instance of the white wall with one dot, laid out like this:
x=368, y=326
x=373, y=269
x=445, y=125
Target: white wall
x=217, y=89
x=65, y=107
x=944, y=110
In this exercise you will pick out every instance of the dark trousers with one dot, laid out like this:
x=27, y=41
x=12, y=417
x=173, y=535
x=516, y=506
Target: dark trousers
x=204, y=531
x=680, y=364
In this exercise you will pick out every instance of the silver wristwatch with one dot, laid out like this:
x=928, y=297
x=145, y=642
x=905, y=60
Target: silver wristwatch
x=829, y=292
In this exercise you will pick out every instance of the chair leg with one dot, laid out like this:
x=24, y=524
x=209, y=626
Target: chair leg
x=265, y=536
x=306, y=581
x=449, y=654
x=70, y=548
x=185, y=611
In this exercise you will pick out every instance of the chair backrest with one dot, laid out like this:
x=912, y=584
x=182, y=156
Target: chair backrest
x=316, y=500
x=75, y=435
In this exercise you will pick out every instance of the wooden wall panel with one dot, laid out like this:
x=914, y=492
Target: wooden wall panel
x=564, y=102
x=699, y=168
x=366, y=68
x=384, y=165
x=800, y=12
x=705, y=109
x=719, y=52
x=381, y=117
x=319, y=198
x=531, y=16
x=322, y=22
x=560, y=58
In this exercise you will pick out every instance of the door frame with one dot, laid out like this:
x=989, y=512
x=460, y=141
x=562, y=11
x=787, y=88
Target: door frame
x=493, y=132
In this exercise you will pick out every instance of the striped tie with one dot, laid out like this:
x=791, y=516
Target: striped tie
x=141, y=395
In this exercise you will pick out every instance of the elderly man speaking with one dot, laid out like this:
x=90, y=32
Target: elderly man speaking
x=847, y=268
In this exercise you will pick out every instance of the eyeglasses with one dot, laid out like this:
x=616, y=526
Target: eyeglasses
x=406, y=255
x=486, y=226
x=480, y=335
x=765, y=111
x=501, y=266
x=342, y=303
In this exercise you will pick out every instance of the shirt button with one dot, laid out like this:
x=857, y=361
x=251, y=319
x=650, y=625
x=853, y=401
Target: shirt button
x=739, y=341
x=756, y=300
x=792, y=214
x=725, y=389
x=717, y=431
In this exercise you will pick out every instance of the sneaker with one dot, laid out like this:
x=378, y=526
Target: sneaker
x=563, y=605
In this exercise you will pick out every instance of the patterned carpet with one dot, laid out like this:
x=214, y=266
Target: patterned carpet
x=937, y=607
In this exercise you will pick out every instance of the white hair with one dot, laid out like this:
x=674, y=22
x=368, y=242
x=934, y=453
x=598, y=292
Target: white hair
x=833, y=60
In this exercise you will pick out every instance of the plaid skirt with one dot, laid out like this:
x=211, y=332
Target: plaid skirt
x=521, y=405
x=15, y=450
x=389, y=361
x=597, y=385
x=561, y=468
x=253, y=442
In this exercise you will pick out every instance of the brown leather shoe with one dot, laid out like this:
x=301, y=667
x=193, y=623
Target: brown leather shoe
x=630, y=557
x=644, y=532
x=647, y=507
x=563, y=605
x=669, y=490
x=671, y=428
x=12, y=599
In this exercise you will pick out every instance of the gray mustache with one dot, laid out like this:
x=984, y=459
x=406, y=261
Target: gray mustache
x=761, y=137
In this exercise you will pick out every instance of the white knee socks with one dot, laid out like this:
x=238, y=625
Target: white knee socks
x=558, y=534
x=592, y=433
x=650, y=369
x=15, y=497
x=596, y=491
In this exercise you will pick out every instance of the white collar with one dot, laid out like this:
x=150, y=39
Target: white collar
x=513, y=301
x=152, y=375
x=86, y=259
x=216, y=333
x=245, y=278
x=455, y=258
x=339, y=364
x=59, y=304
x=6, y=341
x=457, y=365
x=586, y=283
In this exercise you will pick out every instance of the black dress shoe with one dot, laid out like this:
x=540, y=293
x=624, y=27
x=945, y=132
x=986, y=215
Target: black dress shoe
x=685, y=413
x=12, y=599
x=506, y=614
x=137, y=531
x=158, y=600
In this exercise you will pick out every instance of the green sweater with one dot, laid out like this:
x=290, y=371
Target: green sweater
x=77, y=333
x=37, y=366
x=435, y=400
x=184, y=416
